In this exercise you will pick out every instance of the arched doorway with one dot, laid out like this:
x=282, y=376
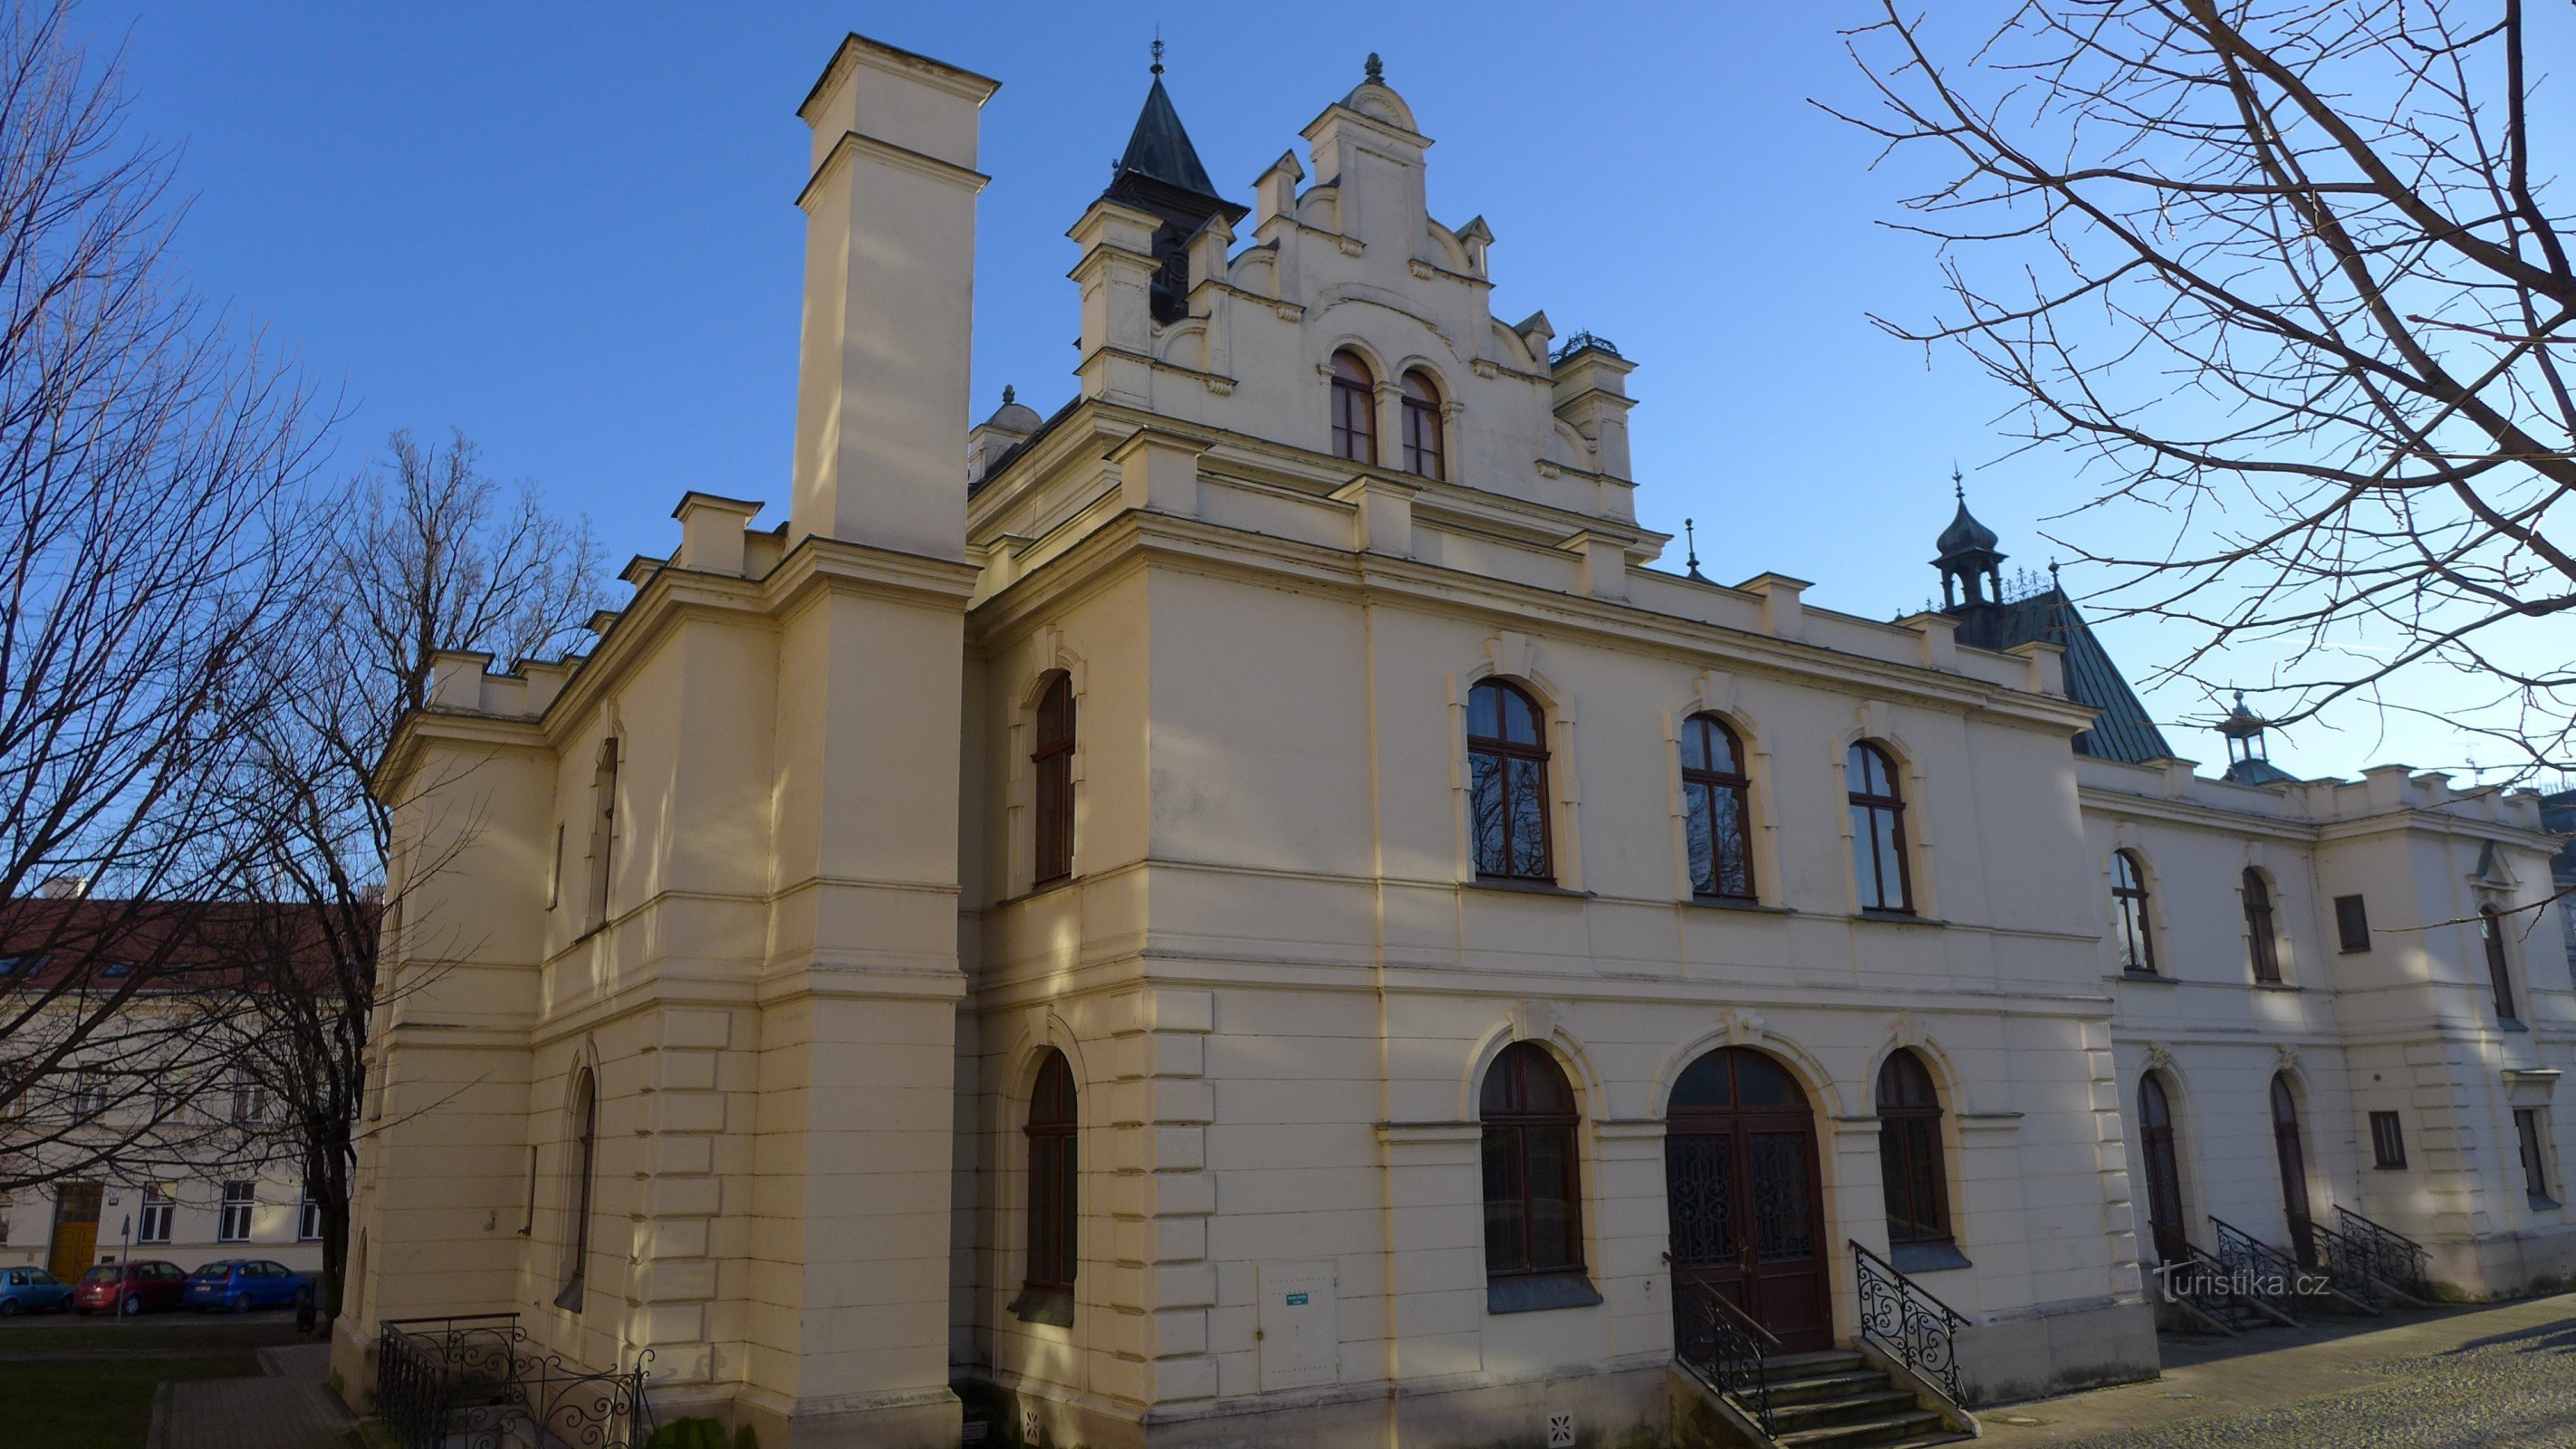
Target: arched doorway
x=2294, y=1170
x=2164, y=1178
x=1743, y=1194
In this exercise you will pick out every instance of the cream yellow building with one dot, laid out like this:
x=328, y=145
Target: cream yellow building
x=1247, y=911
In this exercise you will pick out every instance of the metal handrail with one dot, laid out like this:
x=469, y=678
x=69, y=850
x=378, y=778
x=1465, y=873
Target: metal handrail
x=2385, y=1248
x=1726, y=1350
x=1914, y=1325
x=2254, y=1264
x=2345, y=1263
x=470, y=1377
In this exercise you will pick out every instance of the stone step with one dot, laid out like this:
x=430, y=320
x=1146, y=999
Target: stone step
x=1890, y=1428
x=1791, y=1366
x=1848, y=1409
x=1826, y=1386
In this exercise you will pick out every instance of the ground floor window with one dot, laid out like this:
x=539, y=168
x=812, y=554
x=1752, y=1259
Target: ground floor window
x=308, y=1218
x=153, y=1224
x=2534, y=1138
x=232, y=1224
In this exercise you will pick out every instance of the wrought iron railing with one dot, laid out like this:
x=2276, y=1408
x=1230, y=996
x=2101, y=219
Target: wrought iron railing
x=2347, y=1264
x=1582, y=341
x=1721, y=1347
x=2197, y=1280
x=2256, y=1269
x=1902, y=1316
x=472, y=1382
x=2385, y=1254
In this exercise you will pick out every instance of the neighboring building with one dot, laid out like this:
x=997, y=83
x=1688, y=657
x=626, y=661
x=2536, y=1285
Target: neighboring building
x=1244, y=912
x=2558, y=817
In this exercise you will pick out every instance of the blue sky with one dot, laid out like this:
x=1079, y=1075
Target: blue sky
x=568, y=230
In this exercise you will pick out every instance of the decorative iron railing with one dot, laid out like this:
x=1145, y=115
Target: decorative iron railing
x=1581, y=341
x=2197, y=1280
x=2385, y=1254
x=2347, y=1264
x=472, y=1382
x=1721, y=1347
x=1902, y=1316
x=2257, y=1270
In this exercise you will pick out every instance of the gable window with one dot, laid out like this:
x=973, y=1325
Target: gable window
x=1878, y=831
x=1715, y=800
x=1533, y=1205
x=2352, y=923
x=1354, y=409
x=1422, y=452
x=585, y=1172
x=2387, y=1140
x=2129, y=913
x=2499, y=975
x=2533, y=1137
x=1052, y=762
x=2260, y=942
x=1909, y=1152
x=1507, y=783
x=603, y=830
x=1046, y=1291
x=232, y=1221
x=152, y=1225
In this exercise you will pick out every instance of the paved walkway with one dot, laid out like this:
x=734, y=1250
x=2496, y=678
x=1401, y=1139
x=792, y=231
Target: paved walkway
x=290, y=1407
x=2478, y=1378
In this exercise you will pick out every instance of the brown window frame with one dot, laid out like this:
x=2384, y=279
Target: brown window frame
x=1701, y=785
x=1424, y=453
x=603, y=831
x=1056, y=734
x=1878, y=829
x=1510, y=1125
x=2387, y=1140
x=585, y=1145
x=1354, y=409
x=2262, y=934
x=2352, y=924
x=1504, y=752
x=1916, y=1188
x=2531, y=1140
x=1053, y=1218
x=2129, y=908
x=2499, y=966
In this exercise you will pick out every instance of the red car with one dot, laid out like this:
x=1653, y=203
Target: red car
x=130, y=1287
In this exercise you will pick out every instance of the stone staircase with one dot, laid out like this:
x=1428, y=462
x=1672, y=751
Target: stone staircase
x=1838, y=1400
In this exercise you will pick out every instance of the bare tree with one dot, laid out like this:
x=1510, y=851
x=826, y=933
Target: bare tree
x=2286, y=276
x=152, y=554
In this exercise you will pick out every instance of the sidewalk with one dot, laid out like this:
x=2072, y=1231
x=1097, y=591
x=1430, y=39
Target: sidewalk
x=2501, y=1377
x=289, y=1407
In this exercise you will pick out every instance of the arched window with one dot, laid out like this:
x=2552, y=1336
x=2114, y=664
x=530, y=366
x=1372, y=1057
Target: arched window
x=2499, y=975
x=1422, y=452
x=1716, y=799
x=585, y=1172
x=1354, y=409
x=1054, y=1204
x=1533, y=1214
x=1507, y=782
x=1878, y=831
x=2259, y=940
x=2164, y=1173
x=1909, y=1151
x=1053, y=765
x=603, y=830
x=2129, y=913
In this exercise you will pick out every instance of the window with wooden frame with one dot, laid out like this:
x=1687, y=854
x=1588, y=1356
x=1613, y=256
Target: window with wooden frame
x=1054, y=1197
x=603, y=830
x=1423, y=454
x=159, y=1206
x=585, y=1175
x=2129, y=913
x=1354, y=409
x=233, y=1216
x=1879, y=867
x=1051, y=762
x=2352, y=924
x=1909, y=1151
x=1533, y=1201
x=2262, y=945
x=1717, y=811
x=1507, y=807
x=2532, y=1135
x=2387, y=1140
x=2499, y=972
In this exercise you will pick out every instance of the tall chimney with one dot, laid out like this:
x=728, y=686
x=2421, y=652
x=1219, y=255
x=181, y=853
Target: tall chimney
x=889, y=301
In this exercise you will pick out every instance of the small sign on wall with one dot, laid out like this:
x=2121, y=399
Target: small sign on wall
x=1301, y=1342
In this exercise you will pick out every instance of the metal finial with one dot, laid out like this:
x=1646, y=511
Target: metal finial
x=1376, y=70
x=1158, y=49
x=1010, y=396
x=1690, y=536
x=2052, y=573
x=1958, y=488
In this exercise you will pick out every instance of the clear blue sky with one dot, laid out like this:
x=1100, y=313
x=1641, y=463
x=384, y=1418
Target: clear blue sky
x=568, y=229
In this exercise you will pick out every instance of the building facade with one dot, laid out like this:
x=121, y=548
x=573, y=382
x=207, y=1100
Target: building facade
x=1245, y=911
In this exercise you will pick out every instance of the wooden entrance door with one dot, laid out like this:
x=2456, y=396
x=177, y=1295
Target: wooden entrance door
x=2164, y=1178
x=75, y=1230
x=1741, y=1193
x=2294, y=1172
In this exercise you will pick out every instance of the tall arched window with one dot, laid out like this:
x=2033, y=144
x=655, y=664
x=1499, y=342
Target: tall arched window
x=2164, y=1172
x=585, y=1173
x=1878, y=830
x=1354, y=409
x=1716, y=800
x=2129, y=913
x=1533, y=1212
x=1909, y=1152
x=2499, y=974
x=1507, y=782
x=1422, y=452
x=1052, y=762
x=603, y=830
x=2260, y=942
x=1046, y=1290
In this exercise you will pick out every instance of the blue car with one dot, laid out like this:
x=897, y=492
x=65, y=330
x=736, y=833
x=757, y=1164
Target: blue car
x=238, y=1285
x=32, y=1290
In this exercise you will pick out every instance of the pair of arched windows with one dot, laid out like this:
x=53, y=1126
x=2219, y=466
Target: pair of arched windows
x=1355, y=417
x=2133, y=932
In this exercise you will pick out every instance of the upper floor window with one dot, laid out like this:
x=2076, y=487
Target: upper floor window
x=603, y=830
x=1878, y=831
x=1054, y=1202
x=1507, y=782
x=2129, y=912
x=2531, y=1134
x=2260, y=942
x=1053, y=762
x=1909, y=1151
x=1354, y=409
x=2352, y=923
x=1533, y=1209
x=1422, y=453
x=2499, y=976
x=1716, y=796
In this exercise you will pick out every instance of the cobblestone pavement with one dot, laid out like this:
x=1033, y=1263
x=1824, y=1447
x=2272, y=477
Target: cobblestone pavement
x=2490, y=1378
x=289, y=1408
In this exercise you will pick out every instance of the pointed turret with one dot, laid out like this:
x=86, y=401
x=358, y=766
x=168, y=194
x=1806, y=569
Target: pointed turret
x=1966, y=554
x=1161, y=173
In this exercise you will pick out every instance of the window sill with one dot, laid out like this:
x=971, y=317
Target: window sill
x=1897, y=918
x=1927, y=1257
x=2278, y=986
x=2388, y=1167
x=1050, y=1306
x=2147, y=978
x=2543, y=1203
x=1731, y=903
x=2353, y=951
x=1537, y=1292
x=1525, y=887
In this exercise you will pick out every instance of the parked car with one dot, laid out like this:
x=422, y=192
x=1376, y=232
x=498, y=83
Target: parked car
x=135, y=1287
x=240, y=1284
x=32, y=1290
